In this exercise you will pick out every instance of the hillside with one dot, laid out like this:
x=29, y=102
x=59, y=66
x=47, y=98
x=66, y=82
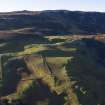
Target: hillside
x=58, y=72
x=53, y=22
x=52, y=58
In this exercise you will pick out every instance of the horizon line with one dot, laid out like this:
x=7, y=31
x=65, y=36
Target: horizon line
x=50, y=10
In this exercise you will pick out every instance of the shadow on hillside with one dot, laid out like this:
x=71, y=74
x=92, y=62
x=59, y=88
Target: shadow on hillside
x=40, y=92
x=17, y=43
x=55, y=53
x=88, y=75
x=12, y=74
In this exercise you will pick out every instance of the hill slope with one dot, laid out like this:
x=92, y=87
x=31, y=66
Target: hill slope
x=37, y=68
x=54, y=22
x=68, y=73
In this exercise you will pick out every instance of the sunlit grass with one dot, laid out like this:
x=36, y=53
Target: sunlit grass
x=31, y=49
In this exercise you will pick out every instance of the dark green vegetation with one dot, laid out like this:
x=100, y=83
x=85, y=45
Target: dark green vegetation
x=37, y=68
x=54, y=22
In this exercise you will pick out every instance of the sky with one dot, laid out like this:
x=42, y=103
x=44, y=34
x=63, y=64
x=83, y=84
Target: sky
x=37, y=5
